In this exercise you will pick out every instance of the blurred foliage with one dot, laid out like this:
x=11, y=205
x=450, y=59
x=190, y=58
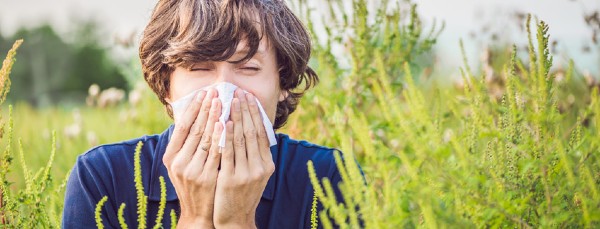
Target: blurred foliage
x=55, y=70
x=32, y=182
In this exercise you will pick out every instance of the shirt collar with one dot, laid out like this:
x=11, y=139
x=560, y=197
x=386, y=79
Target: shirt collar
x=158, y=169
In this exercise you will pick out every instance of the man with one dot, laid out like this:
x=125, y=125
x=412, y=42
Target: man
x=256, y=45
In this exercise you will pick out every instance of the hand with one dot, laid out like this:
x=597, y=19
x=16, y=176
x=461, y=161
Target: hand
x=192, y=161
x=246, y=165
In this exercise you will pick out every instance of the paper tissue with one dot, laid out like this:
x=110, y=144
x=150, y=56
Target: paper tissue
x=226, y=91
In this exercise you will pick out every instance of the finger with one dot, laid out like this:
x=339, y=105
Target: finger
x=182, y=128
x=201, y=151
x=213, y=117
x=227, y=152
x=214, y=156
x=196, y=164
x=197, y=130
x=249, y=133
x=239, y=143
x=261, y=133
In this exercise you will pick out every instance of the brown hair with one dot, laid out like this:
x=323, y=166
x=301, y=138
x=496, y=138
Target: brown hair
x=181, y=32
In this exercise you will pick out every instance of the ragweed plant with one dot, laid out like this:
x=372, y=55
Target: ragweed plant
x=142, y=199
x=466, y=158
x=314, y=221
x=353, y=44
x=98, y=212
x=36, y=204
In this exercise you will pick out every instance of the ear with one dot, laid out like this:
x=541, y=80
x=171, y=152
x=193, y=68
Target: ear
x=283, y=95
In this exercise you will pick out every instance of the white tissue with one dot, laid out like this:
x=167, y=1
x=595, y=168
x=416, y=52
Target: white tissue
x=226, y=91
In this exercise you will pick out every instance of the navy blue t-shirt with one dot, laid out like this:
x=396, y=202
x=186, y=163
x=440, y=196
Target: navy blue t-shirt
x=107, y=170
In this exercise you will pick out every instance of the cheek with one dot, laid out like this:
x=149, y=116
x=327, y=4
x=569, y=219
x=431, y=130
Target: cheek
x=181, y=84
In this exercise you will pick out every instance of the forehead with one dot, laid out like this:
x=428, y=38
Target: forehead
x=264, y=48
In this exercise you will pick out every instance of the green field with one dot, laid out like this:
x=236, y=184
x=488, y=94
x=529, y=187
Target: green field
x=515, y=149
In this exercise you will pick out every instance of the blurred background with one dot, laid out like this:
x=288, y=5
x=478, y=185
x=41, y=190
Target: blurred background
x=71, y=45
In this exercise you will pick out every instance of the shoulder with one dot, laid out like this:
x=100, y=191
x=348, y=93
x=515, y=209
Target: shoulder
x=118, y=152
x=302, y=144
x=304, y=148
x=301, y=152
x=102, y=171
x=109, y=167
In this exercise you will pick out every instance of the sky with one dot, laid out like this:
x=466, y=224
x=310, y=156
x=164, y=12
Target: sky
x=564, y=17
x=461, y=17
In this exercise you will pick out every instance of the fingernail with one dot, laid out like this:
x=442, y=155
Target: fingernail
x=200, y=96
x=242, y=97
x=236, y=104
x=250, y=98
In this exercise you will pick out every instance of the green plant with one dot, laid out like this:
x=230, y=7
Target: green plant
x=36, y=204
x=142, y=199
x=467, y=158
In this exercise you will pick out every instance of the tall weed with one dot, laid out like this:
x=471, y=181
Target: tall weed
x=466, y=157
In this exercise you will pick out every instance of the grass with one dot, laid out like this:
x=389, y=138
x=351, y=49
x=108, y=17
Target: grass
x=497, y=151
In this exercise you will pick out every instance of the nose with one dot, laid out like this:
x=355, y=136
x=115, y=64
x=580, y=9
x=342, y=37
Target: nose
x=225, y=73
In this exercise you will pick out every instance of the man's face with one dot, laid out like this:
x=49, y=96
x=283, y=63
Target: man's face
x=259, y=76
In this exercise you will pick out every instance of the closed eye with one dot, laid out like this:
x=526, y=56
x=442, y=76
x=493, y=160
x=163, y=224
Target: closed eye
x=199, y=69
x=202, y=66
x=251, y=68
